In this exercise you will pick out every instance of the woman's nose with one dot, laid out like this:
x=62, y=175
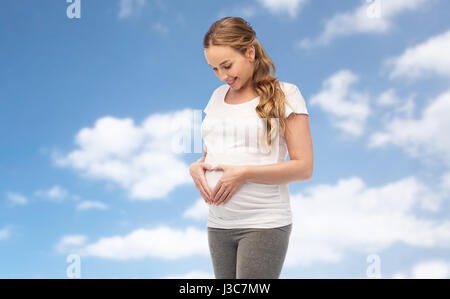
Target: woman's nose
x=222, y=76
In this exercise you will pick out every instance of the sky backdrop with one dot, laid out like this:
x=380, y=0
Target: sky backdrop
x=93, y=181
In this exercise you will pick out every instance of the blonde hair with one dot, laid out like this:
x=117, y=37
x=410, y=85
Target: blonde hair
x=239, y=35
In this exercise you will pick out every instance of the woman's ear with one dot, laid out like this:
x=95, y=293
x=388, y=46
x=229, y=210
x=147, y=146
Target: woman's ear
x=251, y=53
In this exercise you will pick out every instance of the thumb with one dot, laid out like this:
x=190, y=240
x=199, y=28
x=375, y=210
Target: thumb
x=208, y=166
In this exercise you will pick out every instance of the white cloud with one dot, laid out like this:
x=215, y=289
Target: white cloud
x=424, y=138
x=128, y=8
x=276, y=7
x=347, y=108
x=145, y=160
x=70, y=243
x=407, y=109
x=368, y=17
x=89, y=205
x=332, y=220
x=16, y=199
x=4, y=234
x=198, y=211
x=196, y=274
x=428, y=58
x=161, y=242
x=240, y=10
x=432, y=269
x=445, y=183
x=56, y=194
x=290, y=7
x=388, y=98
x=396, y=106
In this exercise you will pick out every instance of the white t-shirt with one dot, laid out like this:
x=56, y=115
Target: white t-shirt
x=233, y=134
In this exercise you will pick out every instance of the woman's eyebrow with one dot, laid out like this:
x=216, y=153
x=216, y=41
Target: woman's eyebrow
x=221, y=62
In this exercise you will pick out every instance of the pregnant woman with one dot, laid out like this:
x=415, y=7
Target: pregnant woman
x=252, y=122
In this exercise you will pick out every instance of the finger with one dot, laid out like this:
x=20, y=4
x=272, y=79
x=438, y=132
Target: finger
x=205, y=197
x=207, y=166
x=219, y=194
x=224, y=197
x=215, y=190
x=203, y=193
x=228, y=196
x=205, y=186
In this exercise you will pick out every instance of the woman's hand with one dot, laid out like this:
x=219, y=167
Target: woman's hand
x=232, y=179
x=197, y=171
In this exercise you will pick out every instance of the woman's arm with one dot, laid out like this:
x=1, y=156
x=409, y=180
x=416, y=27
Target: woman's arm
x=279, y=173
x=301, y=165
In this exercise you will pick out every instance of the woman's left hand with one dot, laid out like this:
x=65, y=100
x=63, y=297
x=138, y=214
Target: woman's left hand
x=232, y=179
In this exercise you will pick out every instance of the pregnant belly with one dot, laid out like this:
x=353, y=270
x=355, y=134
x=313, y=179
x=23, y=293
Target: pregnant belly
x=250, y=198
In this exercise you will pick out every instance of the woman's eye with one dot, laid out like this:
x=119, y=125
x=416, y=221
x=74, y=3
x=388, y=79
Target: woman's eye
x=225, y=67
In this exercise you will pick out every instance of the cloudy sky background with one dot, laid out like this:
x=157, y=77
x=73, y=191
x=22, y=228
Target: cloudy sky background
x=93, y=111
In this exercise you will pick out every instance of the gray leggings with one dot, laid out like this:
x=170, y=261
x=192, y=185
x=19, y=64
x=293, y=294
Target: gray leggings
x=248, y=252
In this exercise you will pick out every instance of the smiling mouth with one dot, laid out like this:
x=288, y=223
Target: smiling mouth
x=232, y=81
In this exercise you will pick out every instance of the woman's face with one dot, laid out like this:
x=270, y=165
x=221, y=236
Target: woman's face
x=230, y=66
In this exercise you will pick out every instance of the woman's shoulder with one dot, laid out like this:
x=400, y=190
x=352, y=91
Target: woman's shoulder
x=287, y=86
x=216, y=92
x=293, y=98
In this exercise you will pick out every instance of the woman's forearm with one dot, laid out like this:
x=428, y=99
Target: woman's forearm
x=279, y=173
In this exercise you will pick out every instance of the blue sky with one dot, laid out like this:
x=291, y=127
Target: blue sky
x=88, y=107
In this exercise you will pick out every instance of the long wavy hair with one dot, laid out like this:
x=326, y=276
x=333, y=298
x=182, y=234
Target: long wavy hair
x=238, y=34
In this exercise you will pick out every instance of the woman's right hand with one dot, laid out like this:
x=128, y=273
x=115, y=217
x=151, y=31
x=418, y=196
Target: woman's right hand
x=197, y=171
